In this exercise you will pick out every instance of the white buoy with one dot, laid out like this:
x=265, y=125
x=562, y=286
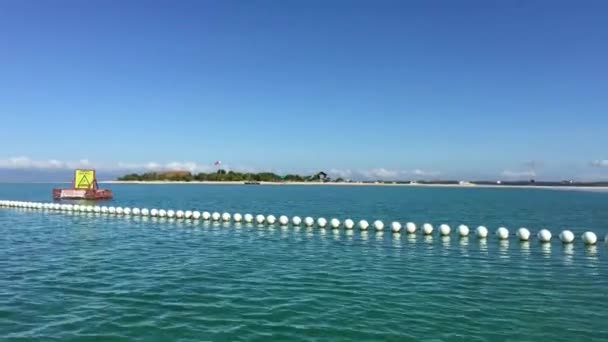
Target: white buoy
x=179, y=214
x=196, y=214
x=97, y=209
x=170, y=213
x=334, y=223
x=283, y=220
x=136, y=211
x=321, y=222
x=444, y=230
x=309, y=221
x=206, y=215
x=427, y=229
x=589, y=238
x=145, y=212
x=363, y=225
x=463, y=230
x=396, y=227
x=296, y=220
x=502, y=233
x=226, y=217
x=162, y=213
x=544, y=235
x=237, y=217
x=188, y=214
x=126, y=211
x=104, y=209
x=89, y=208
x=482, y=232
x=216, y=216
x=566, y=236
x=154, y=212
x=271, y=219
x=248, y=218
x=523, y=234
x=379, y=225
x=349, y=224
x=112, y=210
x=410, y=227
x=260, y=218
x=74, y=207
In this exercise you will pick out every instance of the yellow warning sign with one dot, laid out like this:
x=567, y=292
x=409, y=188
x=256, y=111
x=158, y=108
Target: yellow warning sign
x=84, y=179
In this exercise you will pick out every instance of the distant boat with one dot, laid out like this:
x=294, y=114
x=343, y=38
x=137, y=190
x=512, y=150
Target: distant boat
x=252, y=183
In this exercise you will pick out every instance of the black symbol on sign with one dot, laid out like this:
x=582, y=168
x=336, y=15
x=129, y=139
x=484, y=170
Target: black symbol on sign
x=83, y=181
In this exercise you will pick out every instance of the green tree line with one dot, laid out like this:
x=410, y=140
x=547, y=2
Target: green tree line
x=223, y=175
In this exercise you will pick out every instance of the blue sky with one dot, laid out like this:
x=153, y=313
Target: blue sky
x=378, y=89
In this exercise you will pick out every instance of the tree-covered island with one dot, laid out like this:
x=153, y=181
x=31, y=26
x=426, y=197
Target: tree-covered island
x=225, y=176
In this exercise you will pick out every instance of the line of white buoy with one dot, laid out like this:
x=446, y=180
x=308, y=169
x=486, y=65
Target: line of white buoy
x=502, y=233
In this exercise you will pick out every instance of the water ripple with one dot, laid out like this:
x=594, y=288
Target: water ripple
x=89, y=277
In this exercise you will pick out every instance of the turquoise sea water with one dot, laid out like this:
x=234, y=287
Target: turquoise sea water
x=71, y=276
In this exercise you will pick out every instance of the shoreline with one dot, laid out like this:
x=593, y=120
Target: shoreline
x=556, y=187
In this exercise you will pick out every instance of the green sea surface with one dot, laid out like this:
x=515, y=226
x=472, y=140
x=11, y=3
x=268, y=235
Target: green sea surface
x=80, y=277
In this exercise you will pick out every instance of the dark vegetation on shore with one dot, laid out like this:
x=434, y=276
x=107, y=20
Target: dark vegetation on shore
x=232, y=176
x=226, y=176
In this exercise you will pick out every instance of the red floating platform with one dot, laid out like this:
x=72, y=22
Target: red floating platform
x=89, y=194
x=84, y=187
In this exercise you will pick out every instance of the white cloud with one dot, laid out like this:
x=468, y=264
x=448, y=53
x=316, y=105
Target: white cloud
x=519, y=174
x=337, y=173
x=27, y=163
x=171, y=166
x=388, y=174
x=53, y=164
x=419, y=172
x=380, y=173
x=600, y=163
